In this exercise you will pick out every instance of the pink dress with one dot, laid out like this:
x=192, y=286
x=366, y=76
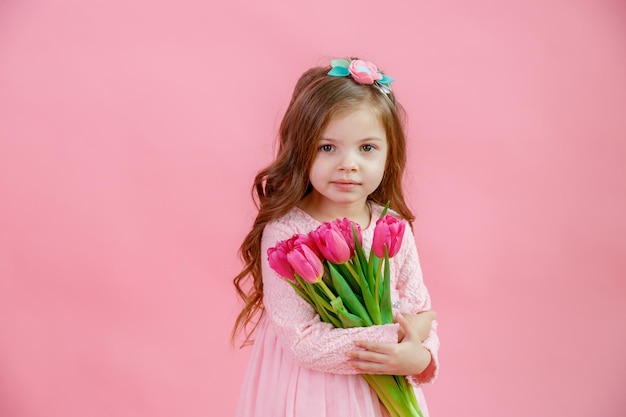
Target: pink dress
x=298, y=364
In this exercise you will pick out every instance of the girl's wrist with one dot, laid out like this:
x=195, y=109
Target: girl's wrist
x=425, y=358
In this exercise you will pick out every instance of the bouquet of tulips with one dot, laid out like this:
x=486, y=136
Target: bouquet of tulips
x=330, y=270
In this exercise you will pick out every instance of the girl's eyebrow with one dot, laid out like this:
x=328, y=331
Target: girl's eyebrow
x=368, y=139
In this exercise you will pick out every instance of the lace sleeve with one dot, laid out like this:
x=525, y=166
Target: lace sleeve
x=414, y=293
x=312, y=343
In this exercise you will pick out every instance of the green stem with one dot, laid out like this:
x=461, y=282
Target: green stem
x=409, y=393
x=327, y=290
x=352, y=272
x=319, y=304
x=395, y=395
x=377, y=285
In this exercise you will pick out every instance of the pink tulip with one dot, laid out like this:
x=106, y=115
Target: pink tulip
x=345, y=226
x=300, y=239
x=277, y=257
x=331, y=242
x=388, y=232
x=306, y=263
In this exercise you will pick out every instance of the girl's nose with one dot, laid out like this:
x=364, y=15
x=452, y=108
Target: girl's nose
x=348, y=164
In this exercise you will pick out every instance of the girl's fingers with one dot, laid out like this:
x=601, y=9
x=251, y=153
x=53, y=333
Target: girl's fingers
x=385, y=348
x=365, y=355
x=369, y=367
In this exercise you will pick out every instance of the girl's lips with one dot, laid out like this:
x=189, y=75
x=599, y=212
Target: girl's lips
x=345, y=185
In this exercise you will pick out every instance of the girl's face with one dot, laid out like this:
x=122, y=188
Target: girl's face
x=350, y=160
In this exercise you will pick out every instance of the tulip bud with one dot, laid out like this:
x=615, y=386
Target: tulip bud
x=388, y=232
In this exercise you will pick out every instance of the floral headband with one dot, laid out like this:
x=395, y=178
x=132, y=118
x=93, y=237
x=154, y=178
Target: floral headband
x=363, y=72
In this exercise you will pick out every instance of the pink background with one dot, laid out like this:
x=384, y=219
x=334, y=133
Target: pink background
x=129, y=135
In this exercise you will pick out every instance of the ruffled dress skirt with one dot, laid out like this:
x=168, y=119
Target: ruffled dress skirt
x=276, y=386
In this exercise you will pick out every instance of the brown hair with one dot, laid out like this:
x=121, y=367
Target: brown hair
x=280, y=186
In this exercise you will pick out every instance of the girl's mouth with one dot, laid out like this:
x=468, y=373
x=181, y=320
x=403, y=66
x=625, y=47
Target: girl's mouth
x=345, y=185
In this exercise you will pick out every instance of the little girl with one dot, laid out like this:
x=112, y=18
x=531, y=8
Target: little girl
x=342, y=153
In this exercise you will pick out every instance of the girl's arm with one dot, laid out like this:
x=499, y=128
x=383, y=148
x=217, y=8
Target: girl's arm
x=421, y=322
x=309, y=341
x=409, y=357
x=412, y=288
x=414, y=356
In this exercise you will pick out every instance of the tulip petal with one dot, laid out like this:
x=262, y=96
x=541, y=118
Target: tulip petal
x=331, y=243
x=382, y=237
x=277, y=259
x=306, y=263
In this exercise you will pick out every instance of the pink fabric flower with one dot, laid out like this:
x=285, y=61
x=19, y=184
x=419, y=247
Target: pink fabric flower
x=388, y=232
x=364, y=72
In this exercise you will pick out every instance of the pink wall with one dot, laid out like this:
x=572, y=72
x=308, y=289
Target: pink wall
x=130, y=132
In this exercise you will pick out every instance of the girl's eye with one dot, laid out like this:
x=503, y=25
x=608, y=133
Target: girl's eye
x=327, y=148
x=367, y=148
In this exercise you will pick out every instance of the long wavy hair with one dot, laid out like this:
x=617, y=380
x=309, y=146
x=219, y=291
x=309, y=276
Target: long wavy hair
x=280, y=186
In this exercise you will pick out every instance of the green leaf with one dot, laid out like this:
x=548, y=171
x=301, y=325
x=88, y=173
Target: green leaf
x=375, y=267
x=323, y=313
x=385, y=300
x=302, y=293
x=372, y=264
x=365, y=281
x=308, y=288
x=347, y=270
x=350, y=301
x=331, y=317
x=372, y=307
x=339, y=72
x=347, y=319
x=355, y=266
x=318, y=301
x=382, y=214
x=343, y=63
x=360, y=253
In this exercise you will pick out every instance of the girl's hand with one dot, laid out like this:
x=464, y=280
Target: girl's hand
x=421, y=322
x=408, y=357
